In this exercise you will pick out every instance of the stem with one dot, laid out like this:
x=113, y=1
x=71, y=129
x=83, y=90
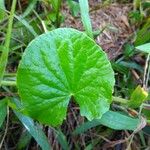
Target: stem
x=10, y=23
x=57, y=13
x=10, y=74
x=86, y=21
x=8, y=83
x=120, y=100
x=4, y=56
x=147, y=77
x=145, y=71
x=130, y=142
x=42, y=21
x=125, y=102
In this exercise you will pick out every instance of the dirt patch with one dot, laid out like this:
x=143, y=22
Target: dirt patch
x=112, y=19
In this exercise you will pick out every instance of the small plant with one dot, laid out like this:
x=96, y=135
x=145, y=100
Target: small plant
x=65, y=65
x=61, y=65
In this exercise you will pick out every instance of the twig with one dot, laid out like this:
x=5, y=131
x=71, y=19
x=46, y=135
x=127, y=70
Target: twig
x=145, y=72
x=136, y=76
x=147, y=77
x=130, y=142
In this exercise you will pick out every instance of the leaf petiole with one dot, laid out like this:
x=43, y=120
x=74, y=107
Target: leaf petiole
x=8, y=83
x=120, y=100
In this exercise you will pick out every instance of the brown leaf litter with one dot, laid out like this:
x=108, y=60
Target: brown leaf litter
x=112, y=18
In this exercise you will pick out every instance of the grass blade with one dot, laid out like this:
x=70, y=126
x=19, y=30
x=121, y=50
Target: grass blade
x=62, y=139
x=24, y=140
x=144, y=48
x=5, y=52
x=33, y=129
x=56, y=5
x=74, y=7
x=84, y=9
x=114, y=120
x=27, y=25
x=3, y=111
x=29, y=8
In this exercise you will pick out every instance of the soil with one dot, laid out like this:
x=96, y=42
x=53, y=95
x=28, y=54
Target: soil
x=113, y=19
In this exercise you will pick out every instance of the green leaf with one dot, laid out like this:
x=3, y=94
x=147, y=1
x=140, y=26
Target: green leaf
x=56, y=4
x=128, y=50
x=24, y=140
x=84, y=9
x=33, y=129
x=146, y=5
x=131, y=65
x=113, y=120
x=138, y=96
x=60, y=65
x=29, y=9
x=143, y=35
x=3, y=111
x=62, y=139
x=89, y=147
x=74, y=7
x=27, y=25
x=144, y=48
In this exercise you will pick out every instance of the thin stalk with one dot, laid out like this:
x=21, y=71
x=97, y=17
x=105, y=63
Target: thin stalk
x=84, y=10
x=120, y=100
x=42, y=21
x=8, y=83
x=145, y=71
x=130, y=142
x=10, y=74
x=147, y=77
x=142, y=138
x=125, y=102
x=5, y=52
x=57, y=13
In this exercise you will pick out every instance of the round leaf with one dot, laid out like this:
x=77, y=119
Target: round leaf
x=61, y=64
